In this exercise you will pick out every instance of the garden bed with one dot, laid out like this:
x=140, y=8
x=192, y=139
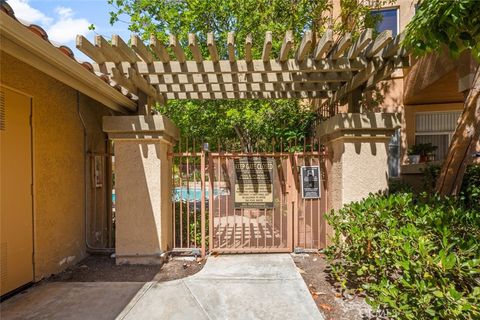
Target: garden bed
x=103, y=268
x=330, y=301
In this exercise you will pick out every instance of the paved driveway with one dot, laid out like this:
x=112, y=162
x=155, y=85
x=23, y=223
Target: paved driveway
x=265, y=286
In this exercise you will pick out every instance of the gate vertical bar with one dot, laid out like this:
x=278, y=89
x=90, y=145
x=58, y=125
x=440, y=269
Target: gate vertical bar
x=195, y=195
x=202, y=165
x=211, y=215
x=188, y=194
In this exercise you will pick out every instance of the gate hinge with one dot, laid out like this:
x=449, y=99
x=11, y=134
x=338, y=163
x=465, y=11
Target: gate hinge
x=298, y=250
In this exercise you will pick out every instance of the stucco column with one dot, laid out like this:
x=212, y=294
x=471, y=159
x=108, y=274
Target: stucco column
x=357, y=147
x=143, y=186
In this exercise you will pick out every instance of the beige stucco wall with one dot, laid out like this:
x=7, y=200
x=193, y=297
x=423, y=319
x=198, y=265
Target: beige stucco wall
x=357, y=148
x=143, y=188
x=58, y=161
x=358, y=167
x=143, y=185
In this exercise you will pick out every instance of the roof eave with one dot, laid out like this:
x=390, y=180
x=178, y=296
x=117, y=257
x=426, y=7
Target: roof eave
x=24, y=45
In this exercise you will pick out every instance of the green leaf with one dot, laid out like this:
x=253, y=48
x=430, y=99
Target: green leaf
x=438, y=293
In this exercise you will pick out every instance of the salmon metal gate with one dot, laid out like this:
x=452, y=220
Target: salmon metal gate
x=249, y=202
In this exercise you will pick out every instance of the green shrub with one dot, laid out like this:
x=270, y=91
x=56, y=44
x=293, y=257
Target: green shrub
x=430, y=176
x=470, y=190
x=399, y=186
x=415, y=258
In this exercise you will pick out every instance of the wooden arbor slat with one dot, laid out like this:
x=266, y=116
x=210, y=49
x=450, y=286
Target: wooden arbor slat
x=247, y=87
x=325, y=69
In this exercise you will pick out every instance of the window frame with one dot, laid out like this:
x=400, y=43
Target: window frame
x=396, y=8
x=435, y=133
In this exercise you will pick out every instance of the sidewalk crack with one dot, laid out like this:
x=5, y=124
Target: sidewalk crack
x=196, y=300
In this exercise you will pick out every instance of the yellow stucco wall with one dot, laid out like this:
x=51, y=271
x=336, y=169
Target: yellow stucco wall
x=58, y=161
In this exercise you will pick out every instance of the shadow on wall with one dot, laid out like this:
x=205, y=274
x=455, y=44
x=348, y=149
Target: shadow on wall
x=367, y=125
x=137, y=180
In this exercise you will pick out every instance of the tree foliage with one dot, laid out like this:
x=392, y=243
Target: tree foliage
x=247, y=125
x=440, y=23
x=454, y=25
x=249, y=121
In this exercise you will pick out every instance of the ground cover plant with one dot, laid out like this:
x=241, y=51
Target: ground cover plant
x=414, y=256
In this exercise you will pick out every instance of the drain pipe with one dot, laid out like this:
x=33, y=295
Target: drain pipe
x=90, y=249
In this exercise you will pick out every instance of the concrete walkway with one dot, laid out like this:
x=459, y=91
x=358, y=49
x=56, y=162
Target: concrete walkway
x=266, y=286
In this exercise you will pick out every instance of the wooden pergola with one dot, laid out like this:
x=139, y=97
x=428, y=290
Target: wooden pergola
x=332, y=70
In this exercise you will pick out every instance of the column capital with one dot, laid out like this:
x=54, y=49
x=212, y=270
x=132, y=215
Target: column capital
x=364, y=126
x=141, y=127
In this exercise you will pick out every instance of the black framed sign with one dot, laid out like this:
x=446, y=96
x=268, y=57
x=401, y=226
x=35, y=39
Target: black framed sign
x=254, y=182
x=310, y=182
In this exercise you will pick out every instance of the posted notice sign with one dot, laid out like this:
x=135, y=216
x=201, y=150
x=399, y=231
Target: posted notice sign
x=254, y=182
x=310, y=182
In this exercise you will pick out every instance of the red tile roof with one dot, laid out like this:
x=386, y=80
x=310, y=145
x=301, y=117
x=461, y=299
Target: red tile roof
x=39, y=31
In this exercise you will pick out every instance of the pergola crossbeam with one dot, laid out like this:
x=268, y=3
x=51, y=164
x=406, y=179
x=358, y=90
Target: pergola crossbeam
x=159, y=50
x=139, y=47
x=362, y=42
x=287, y=44
x=256, y=66
x=341, y=47
x=284, y=77
x=124, y=50
x=328, y=70
x=247, y=87
x=323, y=45
x=304, y=47
x=246, y=95
x=212, y=48
x=89, y=49
x=248, y=48
x=106, y=49
x=267, y=47
x=177, y=49
x=382, y=40
x=194, y=49
x=231, y=46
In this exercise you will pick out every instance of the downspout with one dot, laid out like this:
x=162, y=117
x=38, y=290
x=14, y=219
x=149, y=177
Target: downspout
x=90, y=249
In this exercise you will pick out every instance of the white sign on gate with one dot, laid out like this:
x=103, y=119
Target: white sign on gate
x=310, y=182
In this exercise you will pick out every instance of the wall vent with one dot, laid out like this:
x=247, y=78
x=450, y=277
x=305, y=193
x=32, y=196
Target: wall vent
x=3, y=119
x=3, y=263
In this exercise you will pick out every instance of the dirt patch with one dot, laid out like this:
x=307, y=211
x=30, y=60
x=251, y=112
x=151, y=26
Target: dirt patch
x=103, y=268
x=330, y=301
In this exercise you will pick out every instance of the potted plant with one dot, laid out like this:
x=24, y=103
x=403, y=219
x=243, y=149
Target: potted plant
x=413, y=154
x=423, y=152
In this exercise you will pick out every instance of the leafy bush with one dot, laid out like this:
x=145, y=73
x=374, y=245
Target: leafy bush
x=471, y=187
x=414, y=258
x=430, y=176
x=399, y=186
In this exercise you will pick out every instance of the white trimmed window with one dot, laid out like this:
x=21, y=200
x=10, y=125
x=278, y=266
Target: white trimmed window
x=436, y=128
x=389, y=21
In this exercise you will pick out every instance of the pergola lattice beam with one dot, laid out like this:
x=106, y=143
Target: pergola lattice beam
x=323, y=45
x=256, y=66
x=249, y=78
x=267, y=47
x=248, y=48
x=231, y=46
x=212, y=48
x=247, y=87
x=340, y=47
x=287, y=44
x=177, y=49
x=304, y=47
x=246, y=95
x=159, y=50
x=330, y=69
